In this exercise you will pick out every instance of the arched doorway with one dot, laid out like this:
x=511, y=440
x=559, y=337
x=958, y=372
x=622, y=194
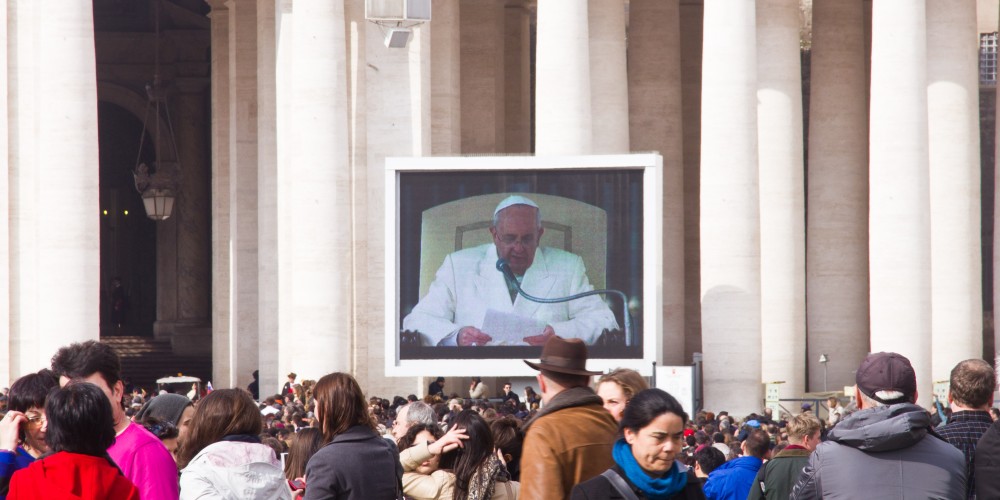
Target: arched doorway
x=128, y=237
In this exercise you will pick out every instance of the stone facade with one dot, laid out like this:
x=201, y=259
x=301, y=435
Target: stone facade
x=784, y=237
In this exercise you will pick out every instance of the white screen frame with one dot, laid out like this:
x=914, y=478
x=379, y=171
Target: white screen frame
x=652, y=246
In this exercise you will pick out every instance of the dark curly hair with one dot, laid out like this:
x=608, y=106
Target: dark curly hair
x=411, y=434
x=84, y=359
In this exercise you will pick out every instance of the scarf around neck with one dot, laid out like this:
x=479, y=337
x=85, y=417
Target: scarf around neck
x=483, y=481
x=241, y=438
x=659, y=488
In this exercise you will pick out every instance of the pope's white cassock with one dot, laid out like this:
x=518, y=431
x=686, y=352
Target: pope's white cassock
x=468, y=284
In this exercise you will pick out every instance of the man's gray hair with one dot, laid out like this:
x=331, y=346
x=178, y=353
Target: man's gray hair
x=419, y=412
x=896, y=396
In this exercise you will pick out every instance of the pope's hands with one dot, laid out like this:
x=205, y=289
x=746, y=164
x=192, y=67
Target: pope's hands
x=472, y=336
x=547, y=333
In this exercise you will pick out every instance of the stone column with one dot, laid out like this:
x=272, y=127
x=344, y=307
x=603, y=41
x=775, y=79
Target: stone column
x=482, y=75
x=243, y=227
x=782, y=197
x=996, y=237
x=609, y=94
x=6, y=377
x=357, y=86
x=446, y=88
x=167, y=292
x=517, y=75
x=562, y=79
x=837, y=219
x=21, y=115
x=192, y=333
x=899, y=220
x=316, y=191
x=222, y=355
x=396, y=113
x=655, y=124
x=53, y=175
x=691, y=28
x=358, y=71
x=730, y=223
x=953, y=147
x=269, y=239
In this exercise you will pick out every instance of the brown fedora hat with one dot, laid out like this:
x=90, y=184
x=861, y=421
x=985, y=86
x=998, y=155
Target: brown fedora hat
x=563, y=356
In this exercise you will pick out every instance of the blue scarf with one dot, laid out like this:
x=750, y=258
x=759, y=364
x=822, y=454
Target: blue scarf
x=660, y=488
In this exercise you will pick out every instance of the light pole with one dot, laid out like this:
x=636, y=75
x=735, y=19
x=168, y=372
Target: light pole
x=824, y=360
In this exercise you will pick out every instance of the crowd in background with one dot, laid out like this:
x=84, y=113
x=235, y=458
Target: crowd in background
x=77, y=428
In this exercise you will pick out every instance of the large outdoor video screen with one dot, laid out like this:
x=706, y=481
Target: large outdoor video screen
x=564, y=227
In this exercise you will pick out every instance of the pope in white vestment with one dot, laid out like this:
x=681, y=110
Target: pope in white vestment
x=468, y=284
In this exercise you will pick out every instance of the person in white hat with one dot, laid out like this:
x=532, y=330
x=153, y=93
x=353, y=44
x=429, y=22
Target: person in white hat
x=468, y=285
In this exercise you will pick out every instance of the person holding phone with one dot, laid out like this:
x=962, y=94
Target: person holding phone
x=305, y=444
x=23, y=428
x=81, y=427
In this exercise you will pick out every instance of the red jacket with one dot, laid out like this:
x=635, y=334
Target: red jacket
x=71, y=476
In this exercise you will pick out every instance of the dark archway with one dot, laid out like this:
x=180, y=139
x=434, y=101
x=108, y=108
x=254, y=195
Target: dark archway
x=128, y=237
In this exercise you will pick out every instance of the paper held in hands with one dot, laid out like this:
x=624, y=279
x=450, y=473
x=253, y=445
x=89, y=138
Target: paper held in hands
x=510, y=329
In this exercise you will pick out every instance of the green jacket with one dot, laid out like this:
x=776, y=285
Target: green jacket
x=777, y=477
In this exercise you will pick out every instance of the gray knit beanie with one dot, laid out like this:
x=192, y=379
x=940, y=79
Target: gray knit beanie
x=165, y=408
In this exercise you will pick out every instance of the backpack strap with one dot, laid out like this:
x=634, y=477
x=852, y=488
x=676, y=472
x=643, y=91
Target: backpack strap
x=619, y=484
x=763, y=479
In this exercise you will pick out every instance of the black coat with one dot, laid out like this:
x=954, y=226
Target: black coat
x=358, y=464
x=435, y=388
x=987, y=464
x=599, y=488
x=512, y=395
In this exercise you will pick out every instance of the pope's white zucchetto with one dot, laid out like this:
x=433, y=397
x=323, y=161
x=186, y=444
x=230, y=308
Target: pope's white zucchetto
x=515, y=199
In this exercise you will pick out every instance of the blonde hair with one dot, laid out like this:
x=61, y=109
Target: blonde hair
x=630, y=381
x=803, y=425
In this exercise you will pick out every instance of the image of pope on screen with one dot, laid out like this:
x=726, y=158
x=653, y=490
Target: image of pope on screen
x=469, y=303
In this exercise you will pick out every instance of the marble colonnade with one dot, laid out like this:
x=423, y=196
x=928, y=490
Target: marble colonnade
x=713, y=91
x=836, y=276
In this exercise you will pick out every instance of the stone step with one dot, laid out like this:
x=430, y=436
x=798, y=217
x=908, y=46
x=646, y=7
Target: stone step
x=136, y=346
x=144, y=360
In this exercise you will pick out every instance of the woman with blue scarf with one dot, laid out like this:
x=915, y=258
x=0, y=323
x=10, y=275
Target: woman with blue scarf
x=645, y=465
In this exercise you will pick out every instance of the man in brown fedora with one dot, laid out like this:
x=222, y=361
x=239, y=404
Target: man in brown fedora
x=570, y=440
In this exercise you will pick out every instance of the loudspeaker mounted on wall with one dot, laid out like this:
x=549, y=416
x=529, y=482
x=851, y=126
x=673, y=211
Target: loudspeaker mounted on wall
x=396, y=38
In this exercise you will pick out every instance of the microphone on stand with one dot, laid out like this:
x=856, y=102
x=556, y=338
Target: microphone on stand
x=508, y=275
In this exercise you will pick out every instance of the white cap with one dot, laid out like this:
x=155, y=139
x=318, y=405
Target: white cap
x=514, y=199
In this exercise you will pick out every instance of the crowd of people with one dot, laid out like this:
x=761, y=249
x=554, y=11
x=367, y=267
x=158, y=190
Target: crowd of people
x=75, y=431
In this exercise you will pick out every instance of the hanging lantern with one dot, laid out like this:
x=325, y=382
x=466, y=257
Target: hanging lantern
x=159, y=203
x=157, y=186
